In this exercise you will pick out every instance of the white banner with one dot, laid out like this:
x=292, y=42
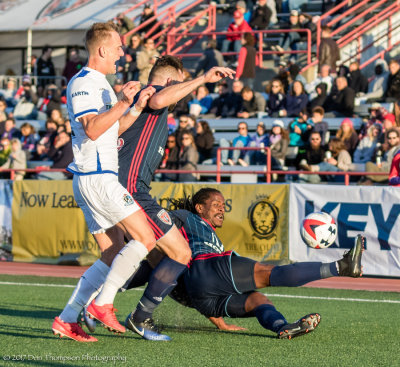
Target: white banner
x=371, y=211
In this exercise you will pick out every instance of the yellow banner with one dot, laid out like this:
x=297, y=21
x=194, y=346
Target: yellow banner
x=47, y=222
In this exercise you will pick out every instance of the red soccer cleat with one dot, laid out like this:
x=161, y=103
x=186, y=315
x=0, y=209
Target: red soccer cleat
x=71, y=330
x=105, y=314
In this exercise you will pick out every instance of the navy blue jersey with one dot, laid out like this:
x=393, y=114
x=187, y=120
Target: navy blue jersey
x=198, y=232
x=141, y=148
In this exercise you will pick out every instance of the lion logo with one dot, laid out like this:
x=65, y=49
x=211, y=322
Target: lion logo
x=263, y=216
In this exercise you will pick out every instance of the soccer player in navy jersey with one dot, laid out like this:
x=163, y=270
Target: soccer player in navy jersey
x=220, y=283
x=141, y=148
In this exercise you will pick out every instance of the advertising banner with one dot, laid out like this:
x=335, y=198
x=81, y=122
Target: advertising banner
x=371, y=211
x=6, y=196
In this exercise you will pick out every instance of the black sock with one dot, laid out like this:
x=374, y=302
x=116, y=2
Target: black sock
x=269, y=318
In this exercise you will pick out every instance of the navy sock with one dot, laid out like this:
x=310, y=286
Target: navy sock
x=162, y=280
x=295, y=275
x=269, y=318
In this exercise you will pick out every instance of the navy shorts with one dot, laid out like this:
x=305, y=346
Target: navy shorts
x=159, y=219
x=219, y=284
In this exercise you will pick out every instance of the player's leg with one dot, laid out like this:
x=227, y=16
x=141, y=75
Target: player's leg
x=162, y=280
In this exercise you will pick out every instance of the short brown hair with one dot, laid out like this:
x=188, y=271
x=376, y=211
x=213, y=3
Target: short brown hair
x=97, y=32
x=319, y=110
x=166, y=64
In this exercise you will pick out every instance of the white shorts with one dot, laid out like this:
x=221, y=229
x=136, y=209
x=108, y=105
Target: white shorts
x=103, y=200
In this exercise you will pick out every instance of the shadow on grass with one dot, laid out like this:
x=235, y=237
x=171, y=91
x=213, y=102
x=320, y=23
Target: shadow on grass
x=50, y=313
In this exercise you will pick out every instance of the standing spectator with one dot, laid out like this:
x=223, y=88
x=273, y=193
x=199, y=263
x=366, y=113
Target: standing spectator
x=328, y=52
x=233, y=39
x=320, y=126
x=296, y=100
x=131, y=69
x=253, y=103
x=246, y=68
x=261, y=16
x=44, y=69
x=278, y=143
x=188, y=158
x=393, y=87
x=276, y=101
x=73, y=65
x=147, y=14
x=242, y=140
x=356, y=79
x=389, y=150
x=10, y=130
x=201, y=102
x=16, y=159
x=348, y=135
x=341, y=101
x=60, y=153
x=211, y=57
x=146, y=59
x=260, y=140
x=204, y=140
x=29, y=138
x=124, y=24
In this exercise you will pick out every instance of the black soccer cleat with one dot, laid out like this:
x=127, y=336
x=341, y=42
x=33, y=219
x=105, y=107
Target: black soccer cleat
x=350, y=264
x=146, y=329
x=300, y=327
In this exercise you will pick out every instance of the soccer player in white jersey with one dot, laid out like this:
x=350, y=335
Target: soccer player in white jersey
x=97, y=119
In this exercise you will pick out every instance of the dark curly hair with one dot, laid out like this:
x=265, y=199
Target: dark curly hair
x=200, y=197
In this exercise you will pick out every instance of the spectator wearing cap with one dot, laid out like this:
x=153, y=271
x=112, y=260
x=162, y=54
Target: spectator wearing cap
x=393, y=88
x=276, y=101
x=347, y=134
x=278, y=143
x=261, y=16
x=242, y=7
x=389, y=121
x=253, y=103
x=247, y=61
x=232, y=40
x=258, y=140
x=146, y=59
x=329, y=53
x=340, y=101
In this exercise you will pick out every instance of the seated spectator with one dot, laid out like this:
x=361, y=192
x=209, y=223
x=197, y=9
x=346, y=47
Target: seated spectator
x=356, y=79
x=247, y=62
x=320, y=98
x=188, y=158
x=5, y=150
x=341, y=100
x=29, y=138
x=276, y=101
x=60, y=153
x=324, y=76
x=320, y=126
x=237, y=87
x=170, y=159
x=299, y=130
x=393, y=86
x=183, y=127
x=241, y=6
x=233, y=157
x=9, y=93
x=226, y=104
x=389, y=121
x=394, y=174
x=261, y=16
x=340, y=161
x=201, y=102
x=16, y=159
x=124, y=24
x=258, y=140
x=47, y=141
x=388, y=150
x=145, y=59
x=288, y=40
x=294, y=74
x=278, y=143
x=3, y=114
x=204, y=140
x=10, y=130
x=253, y=103
x=348, y=135
x=367, y=146
x=232, y=41
x=26, y=100
x=375, y=116
x=306, y=22
x=134, y=46
x=51, y=100
x=57, y=117
x=378, y=85
x=296, y=100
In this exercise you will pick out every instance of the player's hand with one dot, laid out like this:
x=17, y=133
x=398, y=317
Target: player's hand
x=129, y=91
x=217, y=73
x=144, y=97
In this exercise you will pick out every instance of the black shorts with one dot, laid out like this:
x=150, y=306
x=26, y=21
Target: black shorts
x=159, y=219
x=217, y=283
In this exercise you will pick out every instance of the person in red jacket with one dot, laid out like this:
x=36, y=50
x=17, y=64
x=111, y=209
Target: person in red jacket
x=232, y=40
x=394, y=175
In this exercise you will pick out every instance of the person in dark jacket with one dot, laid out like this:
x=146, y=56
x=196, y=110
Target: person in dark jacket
x=204, y=140
x=296, y=100
x=261, y=16
x=341, y=100
x=253, y=103
x=356, y=79
x=226, y=104
x=44, y=69
x=276, y=98
x=320, y=99
x=247, y=61
x=131, y=69
x=393, y=88
x=147, y=14
x=329, y=52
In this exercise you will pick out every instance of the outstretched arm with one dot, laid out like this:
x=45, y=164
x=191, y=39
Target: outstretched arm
x=220, y=323
x=174, y=93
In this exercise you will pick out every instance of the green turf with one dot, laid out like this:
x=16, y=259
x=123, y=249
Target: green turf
x=352, y=333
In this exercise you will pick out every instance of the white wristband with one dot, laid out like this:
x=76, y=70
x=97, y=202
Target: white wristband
x=134, y=112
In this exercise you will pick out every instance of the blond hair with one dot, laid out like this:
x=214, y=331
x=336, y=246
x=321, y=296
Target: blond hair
x=98, y=32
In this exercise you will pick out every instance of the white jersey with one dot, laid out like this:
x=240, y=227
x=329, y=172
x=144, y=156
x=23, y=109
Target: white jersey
x=89, y=92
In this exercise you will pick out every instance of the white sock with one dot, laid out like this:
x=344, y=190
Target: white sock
x=124, y=265
x=87, y=288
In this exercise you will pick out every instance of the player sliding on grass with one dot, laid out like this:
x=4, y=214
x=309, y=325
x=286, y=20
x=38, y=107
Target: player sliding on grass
x=220, y=283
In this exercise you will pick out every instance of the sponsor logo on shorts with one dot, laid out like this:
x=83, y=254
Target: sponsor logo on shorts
x=128, y=200
x=164, y=217
x=263, y=217
x=120, y=144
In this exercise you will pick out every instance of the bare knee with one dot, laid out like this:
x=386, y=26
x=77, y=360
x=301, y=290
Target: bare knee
x=262, y=273
x=107, y=256
x=254, y=300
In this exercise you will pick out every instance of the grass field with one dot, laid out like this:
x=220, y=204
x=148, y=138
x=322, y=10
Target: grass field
x=358, y=328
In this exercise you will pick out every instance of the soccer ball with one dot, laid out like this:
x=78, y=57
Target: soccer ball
x=318, y=230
